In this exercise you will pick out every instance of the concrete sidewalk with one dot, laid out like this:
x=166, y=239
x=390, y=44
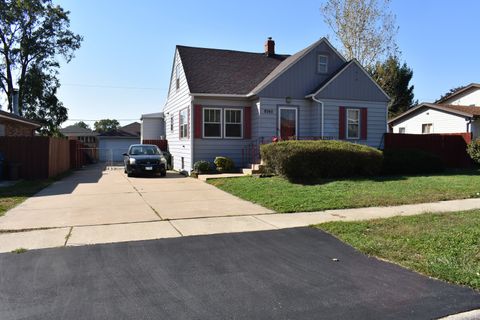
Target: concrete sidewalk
x=156, y=229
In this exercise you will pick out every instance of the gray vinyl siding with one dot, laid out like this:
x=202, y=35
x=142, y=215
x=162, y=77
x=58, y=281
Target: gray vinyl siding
x=302, y=78
x=153, y=128
x=376, y=117
x=353, y=84
x=209, y=148
x=308, y=117
x=178, y=100
x=255, y=119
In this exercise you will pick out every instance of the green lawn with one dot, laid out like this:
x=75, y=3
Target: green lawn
x=445, y=246
x=282, y=196
x=13, y=195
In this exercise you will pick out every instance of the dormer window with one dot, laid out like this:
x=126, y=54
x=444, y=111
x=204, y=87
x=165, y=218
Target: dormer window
x=322, y=63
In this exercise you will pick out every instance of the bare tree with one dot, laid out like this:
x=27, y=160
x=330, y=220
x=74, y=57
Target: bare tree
x=365, y=28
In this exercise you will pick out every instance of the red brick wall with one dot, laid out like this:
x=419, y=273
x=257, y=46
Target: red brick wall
x=17, y=129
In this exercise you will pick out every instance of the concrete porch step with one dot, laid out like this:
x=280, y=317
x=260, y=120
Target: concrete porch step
x=255, y=168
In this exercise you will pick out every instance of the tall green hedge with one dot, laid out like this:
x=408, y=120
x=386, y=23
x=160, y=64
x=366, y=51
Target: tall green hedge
x=310, y=161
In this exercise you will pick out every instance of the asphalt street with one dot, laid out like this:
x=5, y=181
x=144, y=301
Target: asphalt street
x=299, y=273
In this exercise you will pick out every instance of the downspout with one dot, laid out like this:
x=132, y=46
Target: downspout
x=192, y=132
x=322, y=113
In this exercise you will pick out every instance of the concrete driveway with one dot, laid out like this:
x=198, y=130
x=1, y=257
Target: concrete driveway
x=98, y=197
x=286, y=274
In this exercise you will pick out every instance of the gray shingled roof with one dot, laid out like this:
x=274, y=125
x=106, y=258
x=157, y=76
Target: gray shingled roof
x=14, y=117
x=78, y=131
x=218, y=71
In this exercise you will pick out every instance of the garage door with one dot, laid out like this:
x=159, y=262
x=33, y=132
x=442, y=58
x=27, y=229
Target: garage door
x=113, y=149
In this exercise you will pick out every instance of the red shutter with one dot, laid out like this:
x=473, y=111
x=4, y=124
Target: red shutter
x=342, y=121
x=247, y=122
x=197, y=120
x=363, y=123
x=188, y=123
x=179, y=125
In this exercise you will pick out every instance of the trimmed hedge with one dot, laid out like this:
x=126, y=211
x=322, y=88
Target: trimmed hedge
x=224, y=164
x=311, y=161
x=405, y=161
x=473, y=150
x=203, y=166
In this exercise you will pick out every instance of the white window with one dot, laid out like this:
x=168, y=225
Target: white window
x=353, y=123
x=177, y=76
x=427, y=128
x=171, y=123
x=212, y=123
x=183, y=123
x=2, y=130
x=233, y=123
x=322, y=63
x=401, y=130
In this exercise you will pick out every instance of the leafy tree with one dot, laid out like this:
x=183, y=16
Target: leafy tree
x=42, y=105
x=451, y=91
x=82, y=124
x=394, y=79
x=365, y=28
x=106, y=125
x=33, y=33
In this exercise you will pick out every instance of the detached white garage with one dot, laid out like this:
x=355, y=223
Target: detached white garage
x=113, y=145
x=428, y=118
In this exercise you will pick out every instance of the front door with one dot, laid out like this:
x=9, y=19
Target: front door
x=287, y=125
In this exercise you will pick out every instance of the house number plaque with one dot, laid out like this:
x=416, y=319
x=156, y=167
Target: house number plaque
x=268, y=111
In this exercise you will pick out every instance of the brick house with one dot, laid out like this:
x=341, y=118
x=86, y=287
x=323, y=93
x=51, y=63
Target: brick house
x=12, y=125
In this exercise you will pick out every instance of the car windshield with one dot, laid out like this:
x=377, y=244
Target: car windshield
x=144, y=150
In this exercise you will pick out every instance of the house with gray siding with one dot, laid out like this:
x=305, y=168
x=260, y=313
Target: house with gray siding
x=227, y=103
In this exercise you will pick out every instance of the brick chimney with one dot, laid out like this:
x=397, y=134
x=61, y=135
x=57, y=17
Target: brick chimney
x=269, y=47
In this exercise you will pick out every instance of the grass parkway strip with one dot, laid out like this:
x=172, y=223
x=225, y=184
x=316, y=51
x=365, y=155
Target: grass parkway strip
x=444, y=246
x=281, y=195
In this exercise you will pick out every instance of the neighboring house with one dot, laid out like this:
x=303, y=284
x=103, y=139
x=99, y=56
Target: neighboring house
x=223, y=102
x=458, y=112
x=113, y=144
x=153, y=126
x=86, y=136
x=12, y=125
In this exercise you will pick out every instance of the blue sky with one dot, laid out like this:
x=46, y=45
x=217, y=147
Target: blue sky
x=123, y=67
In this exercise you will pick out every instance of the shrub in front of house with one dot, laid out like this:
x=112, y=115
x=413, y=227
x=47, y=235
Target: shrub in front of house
x=405, y=161
x=473, y=150
x=311, y=161
x=203, y=166
x=224, y=164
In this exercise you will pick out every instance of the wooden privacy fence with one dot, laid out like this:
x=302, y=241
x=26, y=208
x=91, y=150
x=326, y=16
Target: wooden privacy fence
x=37, y=157
x=162, y=144
x=450, y=147
x=81, y=154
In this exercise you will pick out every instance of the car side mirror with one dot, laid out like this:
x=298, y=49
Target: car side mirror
x=125, y=154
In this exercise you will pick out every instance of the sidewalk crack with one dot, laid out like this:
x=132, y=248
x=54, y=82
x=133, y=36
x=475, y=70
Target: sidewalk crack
x=67, y=237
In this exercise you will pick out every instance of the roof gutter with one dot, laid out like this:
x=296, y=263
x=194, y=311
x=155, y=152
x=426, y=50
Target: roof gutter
x=219, y=95
x=33, y=124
